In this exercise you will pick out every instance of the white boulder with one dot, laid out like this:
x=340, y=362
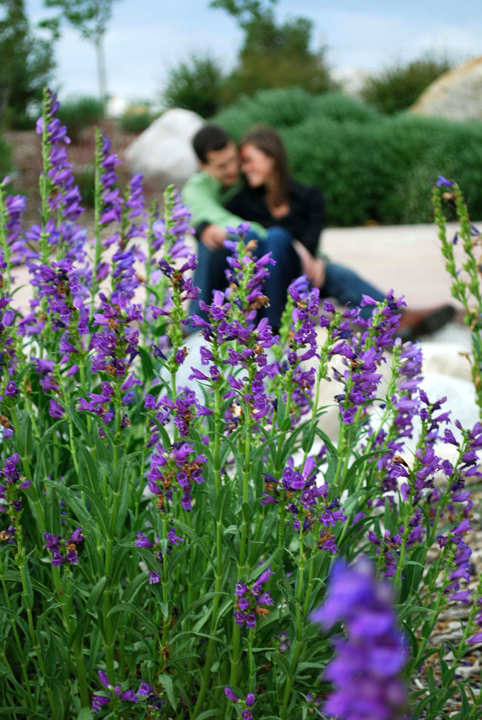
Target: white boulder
x=446, y=359
x=456, y=94
x=164, y=151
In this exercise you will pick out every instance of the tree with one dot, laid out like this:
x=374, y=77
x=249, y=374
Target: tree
x=273, y=54
x=91, y=18
x=196, y=85
x=398, y=87
x=26, y=64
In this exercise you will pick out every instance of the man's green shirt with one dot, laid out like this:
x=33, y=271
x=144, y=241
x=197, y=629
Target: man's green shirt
x=205, y=197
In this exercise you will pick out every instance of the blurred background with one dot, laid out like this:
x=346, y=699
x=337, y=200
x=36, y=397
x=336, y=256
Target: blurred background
x=373, y=99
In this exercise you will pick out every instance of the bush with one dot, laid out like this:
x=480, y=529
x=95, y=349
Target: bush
x=85, y=179
x=273, y=70
x=274, y=54
x=398, y=87
x=196, y=85
x=80, y=113
x=136, y=122
x=5, y=157
x=26, y=65
x=371, y=167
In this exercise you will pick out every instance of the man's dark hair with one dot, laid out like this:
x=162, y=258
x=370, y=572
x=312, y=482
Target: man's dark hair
x=209, y=138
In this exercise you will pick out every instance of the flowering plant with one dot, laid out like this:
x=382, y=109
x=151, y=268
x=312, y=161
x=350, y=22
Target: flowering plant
x=172, y=516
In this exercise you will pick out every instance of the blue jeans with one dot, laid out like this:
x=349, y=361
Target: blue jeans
x=341, y=283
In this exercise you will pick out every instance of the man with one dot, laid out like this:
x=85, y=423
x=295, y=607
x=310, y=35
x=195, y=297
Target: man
x=206, y=193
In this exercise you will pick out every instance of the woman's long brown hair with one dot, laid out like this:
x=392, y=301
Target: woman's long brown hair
x=267, y=140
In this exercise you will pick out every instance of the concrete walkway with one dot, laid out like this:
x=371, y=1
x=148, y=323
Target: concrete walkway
x=406, y=258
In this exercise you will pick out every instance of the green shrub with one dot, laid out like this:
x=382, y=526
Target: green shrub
x=371, y=167
x=80, y=113
x=283, y=107
x=5, y=157
x=397, y=88
x=342, y=108
x=136, y=122
x=85, y=179
x=196, y=85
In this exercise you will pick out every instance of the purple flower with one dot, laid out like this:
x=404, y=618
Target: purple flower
x=172, y=537
x=143, y=541
x=230, y=695
x=104, y=678
x=11, y=389
x=367, y=666
x=443, y=182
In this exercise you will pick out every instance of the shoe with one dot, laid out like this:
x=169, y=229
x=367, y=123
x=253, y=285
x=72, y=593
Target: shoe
x=415, y=323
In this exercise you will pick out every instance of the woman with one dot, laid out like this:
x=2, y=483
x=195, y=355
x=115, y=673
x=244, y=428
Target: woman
x=295, y=214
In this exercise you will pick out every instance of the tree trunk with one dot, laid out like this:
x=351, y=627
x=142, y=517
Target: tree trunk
x=101, y=70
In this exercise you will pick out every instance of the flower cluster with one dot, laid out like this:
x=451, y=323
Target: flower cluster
x=64, y=551
x=14, y=207
x=115, y=691
x=309, y=504
x=174, y=469
x=13, y=482
x=364, y=354
x=247, y=704
x=366, y=669
x=251, y=602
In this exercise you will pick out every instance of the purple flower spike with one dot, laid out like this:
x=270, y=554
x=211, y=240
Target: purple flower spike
x=367, y=666
x=250, y=698
x=230, y=695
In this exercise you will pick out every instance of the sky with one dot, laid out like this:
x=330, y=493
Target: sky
x=147, y=37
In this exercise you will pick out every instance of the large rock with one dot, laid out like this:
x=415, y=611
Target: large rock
x=164, y=152
x=456, y=94
x=446, y=358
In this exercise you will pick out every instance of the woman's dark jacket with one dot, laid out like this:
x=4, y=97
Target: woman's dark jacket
x=306, y=217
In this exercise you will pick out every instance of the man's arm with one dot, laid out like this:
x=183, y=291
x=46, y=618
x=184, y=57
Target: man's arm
x=206, y=207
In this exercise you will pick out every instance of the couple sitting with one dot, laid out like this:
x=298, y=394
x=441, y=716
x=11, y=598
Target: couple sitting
x=286, y=219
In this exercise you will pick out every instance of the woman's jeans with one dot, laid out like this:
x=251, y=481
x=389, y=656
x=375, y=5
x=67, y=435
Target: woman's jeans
x=341, y=283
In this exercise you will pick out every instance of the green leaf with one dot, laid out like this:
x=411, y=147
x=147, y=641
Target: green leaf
x=166, y=682
x=281, y=660
x=210, y=713
x=87, y=466
x=308, y=437
x=73, y=501
x=24, y=437
x=200, y=601
x=192, y=534
x=98, y=506
x=247, y=511
x=128, y=607
x=223, y=495
x=22, y=711
x=95, y=594
x=85, y=714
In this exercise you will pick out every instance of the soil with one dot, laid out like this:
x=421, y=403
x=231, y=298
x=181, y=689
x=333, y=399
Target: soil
x=27, y=158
